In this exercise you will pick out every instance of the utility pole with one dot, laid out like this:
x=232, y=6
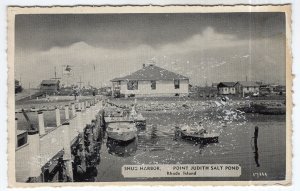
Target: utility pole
x=55, y=77
x=80, y=82
x=29, y=90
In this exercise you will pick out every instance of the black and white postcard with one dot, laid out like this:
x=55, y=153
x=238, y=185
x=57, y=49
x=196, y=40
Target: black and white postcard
x=154, y=95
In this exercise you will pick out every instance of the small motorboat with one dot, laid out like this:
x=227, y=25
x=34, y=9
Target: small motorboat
x=121, y=130
x=199, y=135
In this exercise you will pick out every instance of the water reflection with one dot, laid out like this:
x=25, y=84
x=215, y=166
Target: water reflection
x=121, y=148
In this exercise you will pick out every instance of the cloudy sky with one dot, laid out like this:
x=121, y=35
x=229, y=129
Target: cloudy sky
x=205, y=47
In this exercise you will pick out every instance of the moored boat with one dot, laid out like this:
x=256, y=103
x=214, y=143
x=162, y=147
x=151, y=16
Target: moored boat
x=202, y=137
x=121, y=130
x=198, y=134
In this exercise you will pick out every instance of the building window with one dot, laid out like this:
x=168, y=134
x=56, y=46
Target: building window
x=176, y=84
x=153, y=85
x=132, y=85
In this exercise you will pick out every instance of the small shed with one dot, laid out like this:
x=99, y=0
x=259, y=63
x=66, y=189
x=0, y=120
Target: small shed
x=50, y=86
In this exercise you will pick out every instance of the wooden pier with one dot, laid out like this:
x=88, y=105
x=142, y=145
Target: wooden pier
x=65, y=153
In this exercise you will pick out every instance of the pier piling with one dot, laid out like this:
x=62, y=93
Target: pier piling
x=16, y=134
x=67, y=157
x=79, y=121
x=57, y=117
x=82, y=106
x=34, y=158
x=67, y=112
x=41, y=123
x=73, y=109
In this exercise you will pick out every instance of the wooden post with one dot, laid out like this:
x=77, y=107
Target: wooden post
x=78, y=106
x=57, y=117
x=16, y=132
x=67, y=150
x=102, y=103
x=255, y=138
x=79, y=121
x=41, y=123
x=34, y=155
x=82, y=106
x=88, y=115
x=256, y=147
x=73, y=109
x=93, y=113
x=67, y=112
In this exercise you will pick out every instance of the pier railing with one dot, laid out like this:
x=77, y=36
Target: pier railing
x=45, y=143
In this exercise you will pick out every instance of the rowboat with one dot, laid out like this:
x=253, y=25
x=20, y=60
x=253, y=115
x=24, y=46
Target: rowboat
x=203, y=137
x=121, y=130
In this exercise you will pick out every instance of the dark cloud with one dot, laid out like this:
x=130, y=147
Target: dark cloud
x=208, y=47
x=117, y=31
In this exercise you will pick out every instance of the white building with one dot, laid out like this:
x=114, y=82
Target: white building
x=247, y=87
x=151, y=81
x=226, y=88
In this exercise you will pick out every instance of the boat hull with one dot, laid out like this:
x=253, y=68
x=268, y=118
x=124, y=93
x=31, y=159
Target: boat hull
x=122, y=136
x=203, y=138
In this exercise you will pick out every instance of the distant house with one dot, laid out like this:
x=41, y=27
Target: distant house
x=226, y=88
x=214, y=85
x=50, y=86
x=280, y=90
x=207, y=91
x=247, y=87
x=153, y=81
x=18, y=87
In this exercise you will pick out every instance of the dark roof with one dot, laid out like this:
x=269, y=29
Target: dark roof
x=248, y=84
x=50, y=82
x=226, y=84
x=151, y=72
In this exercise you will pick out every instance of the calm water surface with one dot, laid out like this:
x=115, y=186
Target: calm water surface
x=157, y=144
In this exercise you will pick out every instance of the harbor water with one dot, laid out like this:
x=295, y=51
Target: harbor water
x=157, y=144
